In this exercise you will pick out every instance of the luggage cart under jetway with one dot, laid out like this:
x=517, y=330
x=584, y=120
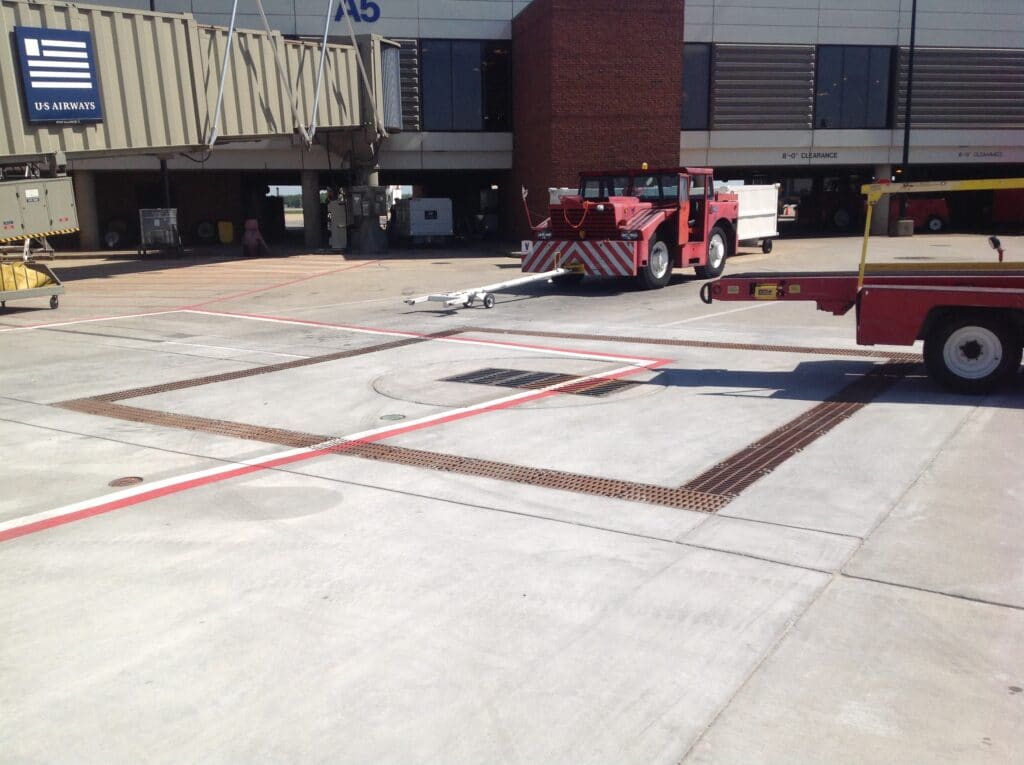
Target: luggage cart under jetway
x=22, y=279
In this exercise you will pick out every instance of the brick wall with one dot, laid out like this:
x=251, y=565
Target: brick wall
x=597, y=84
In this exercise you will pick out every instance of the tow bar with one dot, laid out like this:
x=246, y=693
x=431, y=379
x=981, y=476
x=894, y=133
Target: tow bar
x=485, y=294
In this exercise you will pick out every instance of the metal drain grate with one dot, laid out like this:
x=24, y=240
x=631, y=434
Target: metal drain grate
x=277, y=436
x=733, y=475
x=682, y=498
x=516, y=378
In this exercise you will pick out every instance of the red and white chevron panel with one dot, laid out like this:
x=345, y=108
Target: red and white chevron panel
x=601, y=257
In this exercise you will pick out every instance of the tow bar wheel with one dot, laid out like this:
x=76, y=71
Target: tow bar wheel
x=972, y=354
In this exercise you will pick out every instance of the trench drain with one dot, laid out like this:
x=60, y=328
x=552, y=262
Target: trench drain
x=515, y=378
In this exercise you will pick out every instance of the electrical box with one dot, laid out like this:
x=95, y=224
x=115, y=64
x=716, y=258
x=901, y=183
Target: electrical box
x=37, y=207
x=423, y=217
x=368, y=202
x=337, y=224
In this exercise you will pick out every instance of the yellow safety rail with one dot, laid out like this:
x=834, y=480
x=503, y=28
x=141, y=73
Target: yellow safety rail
x=875, y=191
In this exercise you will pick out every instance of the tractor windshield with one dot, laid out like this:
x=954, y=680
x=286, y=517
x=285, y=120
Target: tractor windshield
x=604, y=186
x=662, y=187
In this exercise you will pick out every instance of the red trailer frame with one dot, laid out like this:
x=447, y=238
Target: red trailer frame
x=970, y=315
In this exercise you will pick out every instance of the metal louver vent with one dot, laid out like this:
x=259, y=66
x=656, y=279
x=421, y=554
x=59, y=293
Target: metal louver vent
x=409, y=74
x=963, y=88
x=762, y=87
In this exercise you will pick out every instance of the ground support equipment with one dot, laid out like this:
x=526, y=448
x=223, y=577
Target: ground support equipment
x=485, y=294
x=969, y=315
x=23, y=277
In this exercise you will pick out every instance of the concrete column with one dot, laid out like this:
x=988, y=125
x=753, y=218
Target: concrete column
x=880, y=217
x=311, y=208
x=84, y=182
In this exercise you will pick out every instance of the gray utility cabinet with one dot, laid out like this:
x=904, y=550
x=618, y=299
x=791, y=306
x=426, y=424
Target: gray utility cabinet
x=37, y=207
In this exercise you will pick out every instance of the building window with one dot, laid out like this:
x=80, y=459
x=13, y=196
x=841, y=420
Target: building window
x=696, y=85
x=853, y=87
x=466, y=85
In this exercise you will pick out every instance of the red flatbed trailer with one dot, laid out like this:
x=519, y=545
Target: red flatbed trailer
x=970, y=315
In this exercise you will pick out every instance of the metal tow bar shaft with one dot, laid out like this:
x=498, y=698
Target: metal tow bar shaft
x=485, y=294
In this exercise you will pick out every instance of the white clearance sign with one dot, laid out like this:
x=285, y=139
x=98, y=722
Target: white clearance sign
x=58, y=74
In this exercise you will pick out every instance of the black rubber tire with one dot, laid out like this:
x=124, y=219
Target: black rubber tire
x=648, y=278
x=935, y=224
x=970, y=338
x=766, y=246
x=54, y=302
x=710, y=271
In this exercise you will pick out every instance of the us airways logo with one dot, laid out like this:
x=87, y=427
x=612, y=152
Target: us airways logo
x=59, y=77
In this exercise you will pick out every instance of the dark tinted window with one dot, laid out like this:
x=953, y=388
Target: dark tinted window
x=696, y=85
x=466, y=85
x=853, y=87
x=497, y=76
x=436, y=67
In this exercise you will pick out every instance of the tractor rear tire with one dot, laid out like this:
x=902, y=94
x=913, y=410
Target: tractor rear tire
x=658, y=270
x=972, y=353
x=718, y=251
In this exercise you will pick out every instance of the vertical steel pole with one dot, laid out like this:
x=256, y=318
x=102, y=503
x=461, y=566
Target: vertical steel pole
x=908, y=108
x=165, y=179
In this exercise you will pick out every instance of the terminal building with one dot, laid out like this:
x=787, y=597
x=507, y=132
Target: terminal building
x=501, y=94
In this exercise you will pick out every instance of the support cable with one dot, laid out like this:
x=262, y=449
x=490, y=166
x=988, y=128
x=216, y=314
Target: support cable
x=212, y=139
x=320, y=71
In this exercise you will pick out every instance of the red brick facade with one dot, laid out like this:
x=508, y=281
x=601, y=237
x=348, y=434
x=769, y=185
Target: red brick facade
x=597, y=83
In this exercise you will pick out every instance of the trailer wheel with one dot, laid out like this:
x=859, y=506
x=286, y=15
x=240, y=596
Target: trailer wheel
x=658, y=270
x=766, y=246
x=936, y=224
x=54, y=302
x=488, y=300
x=972, y=353
x=718, y=251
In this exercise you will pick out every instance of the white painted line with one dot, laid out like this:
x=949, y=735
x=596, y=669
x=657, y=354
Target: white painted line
x=89, y=321
x=720, y=313
x=48, y=518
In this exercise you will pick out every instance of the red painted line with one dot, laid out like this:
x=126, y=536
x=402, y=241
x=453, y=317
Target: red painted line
x=350, y=267
x=164, y=491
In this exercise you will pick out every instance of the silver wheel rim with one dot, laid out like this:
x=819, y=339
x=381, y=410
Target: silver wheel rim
x=935, y=224
x=716, y=251
x=972, y=353
x=657, y=259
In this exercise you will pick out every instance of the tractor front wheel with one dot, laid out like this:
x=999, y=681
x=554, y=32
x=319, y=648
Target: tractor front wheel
x=718, y=251
x=658, y=270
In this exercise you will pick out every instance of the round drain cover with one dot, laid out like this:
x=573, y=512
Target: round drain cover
x=393, y=417
x=128, y=480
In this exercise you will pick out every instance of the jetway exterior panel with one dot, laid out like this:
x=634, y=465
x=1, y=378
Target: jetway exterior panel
x=145, y=74
x=159, y=76
x=339, y=105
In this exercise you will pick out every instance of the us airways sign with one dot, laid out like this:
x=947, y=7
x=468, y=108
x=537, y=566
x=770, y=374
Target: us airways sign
x=58, y=73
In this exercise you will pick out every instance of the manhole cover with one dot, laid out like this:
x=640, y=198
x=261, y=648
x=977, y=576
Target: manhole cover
x=393, y=417
x=128, y=480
